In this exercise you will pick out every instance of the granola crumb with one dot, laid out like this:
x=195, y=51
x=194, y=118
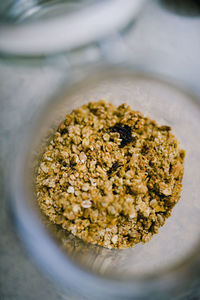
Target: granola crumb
x=110, y=175
x=70, y=190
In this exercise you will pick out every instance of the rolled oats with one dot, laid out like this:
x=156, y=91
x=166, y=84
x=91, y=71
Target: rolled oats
x=110, y=176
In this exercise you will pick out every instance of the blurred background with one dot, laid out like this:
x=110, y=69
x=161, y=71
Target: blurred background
x=45, y=43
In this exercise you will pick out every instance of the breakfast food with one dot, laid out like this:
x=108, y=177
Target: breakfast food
x=110, y=175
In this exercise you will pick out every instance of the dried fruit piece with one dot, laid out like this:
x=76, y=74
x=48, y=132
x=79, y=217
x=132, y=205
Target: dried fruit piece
x=125, y=133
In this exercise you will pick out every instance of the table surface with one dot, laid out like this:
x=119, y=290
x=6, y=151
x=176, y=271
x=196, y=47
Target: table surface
x=163, y=41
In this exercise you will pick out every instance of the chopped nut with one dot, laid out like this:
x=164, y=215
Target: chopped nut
x=85, y=143
x=76, y=208
x=160, y=219
x=153, y=203
x=106, y=137
x=82, y=157
x=132, y=213
x=44, y=167
x=74, y=159
x=49, y=182
x=70, y=190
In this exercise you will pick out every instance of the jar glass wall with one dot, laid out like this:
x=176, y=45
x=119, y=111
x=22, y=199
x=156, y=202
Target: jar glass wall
x=39, y=29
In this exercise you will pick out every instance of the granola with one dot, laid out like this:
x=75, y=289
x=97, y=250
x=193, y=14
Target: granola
x=110, y=175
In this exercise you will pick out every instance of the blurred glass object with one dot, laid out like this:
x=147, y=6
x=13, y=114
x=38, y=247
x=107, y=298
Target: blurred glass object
x=183, y=7
x=21, y=10
x=42, y=28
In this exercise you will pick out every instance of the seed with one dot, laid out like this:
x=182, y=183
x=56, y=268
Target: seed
x=86, y=204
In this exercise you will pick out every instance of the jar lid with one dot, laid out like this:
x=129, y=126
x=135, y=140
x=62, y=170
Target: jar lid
x=42, y=32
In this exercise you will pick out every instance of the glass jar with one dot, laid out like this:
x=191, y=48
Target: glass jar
x=160, y=269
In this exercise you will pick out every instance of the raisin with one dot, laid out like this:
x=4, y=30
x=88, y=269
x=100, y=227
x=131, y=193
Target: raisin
x=63, y=131
x=112, y=169
x=165, y=128
x=124, y=132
